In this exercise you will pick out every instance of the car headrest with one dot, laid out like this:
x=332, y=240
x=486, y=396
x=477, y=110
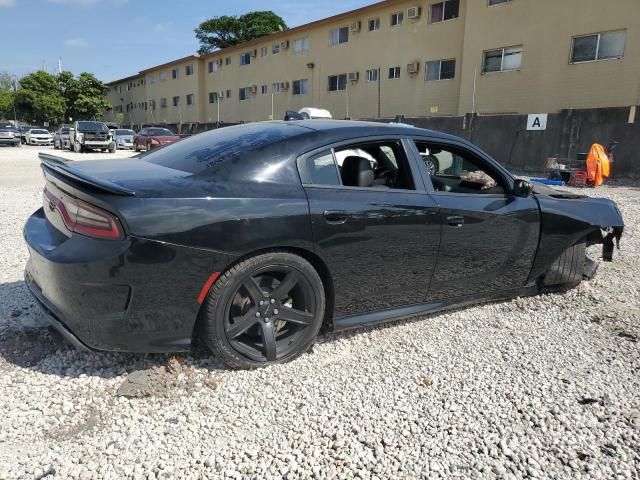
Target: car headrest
x=357, y=172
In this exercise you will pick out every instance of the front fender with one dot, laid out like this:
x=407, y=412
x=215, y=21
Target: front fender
x=565, y=219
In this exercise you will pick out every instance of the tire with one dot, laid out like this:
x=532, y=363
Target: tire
x=265, y=310
x=135, y=147
x=112, y=148
x=568, y=269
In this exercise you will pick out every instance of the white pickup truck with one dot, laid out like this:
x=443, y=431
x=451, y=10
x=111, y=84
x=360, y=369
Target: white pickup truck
x=90, y=135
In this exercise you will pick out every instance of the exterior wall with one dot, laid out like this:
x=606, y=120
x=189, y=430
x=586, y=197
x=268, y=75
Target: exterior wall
x=130, y=95
x=547, y=81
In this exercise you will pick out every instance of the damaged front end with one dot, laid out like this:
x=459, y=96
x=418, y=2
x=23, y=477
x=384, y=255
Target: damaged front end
x=567, y=218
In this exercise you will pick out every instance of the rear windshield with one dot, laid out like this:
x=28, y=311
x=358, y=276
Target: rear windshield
x=92, y=127
x=160, y=132
x=206, y=150
x=125, y=132
x=39, y=132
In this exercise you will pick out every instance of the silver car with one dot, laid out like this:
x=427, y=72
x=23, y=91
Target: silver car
x=123, y=138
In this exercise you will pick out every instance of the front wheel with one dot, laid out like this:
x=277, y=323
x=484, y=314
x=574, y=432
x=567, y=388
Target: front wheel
x=265, y=310
x=568, y=269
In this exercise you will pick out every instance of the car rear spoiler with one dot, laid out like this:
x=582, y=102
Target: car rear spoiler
x=60, y=167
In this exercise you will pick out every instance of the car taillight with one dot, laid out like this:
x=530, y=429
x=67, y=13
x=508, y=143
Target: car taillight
x=83, y=218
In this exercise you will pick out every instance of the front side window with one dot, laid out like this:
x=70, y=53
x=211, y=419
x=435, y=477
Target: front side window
x=502, y=60
x=599, y=46
x=301, y=45
x=374, y=24
x=339, y=35
x=337, y=82
x=372, y=75
x=300, y=87
x=440, y=70
x=441, y=11
x=394, y=72
x=396, y=18
x=456, y=171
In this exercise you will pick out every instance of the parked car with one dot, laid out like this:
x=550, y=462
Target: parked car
x=38, y=136
x=153, y=137
x=252, y=237
x=9, y=135
x=90, y=135
x=22, y=131
x=123, y=138
x=61, y=138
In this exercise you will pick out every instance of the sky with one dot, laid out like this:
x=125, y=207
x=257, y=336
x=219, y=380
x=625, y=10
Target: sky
x=118, y=38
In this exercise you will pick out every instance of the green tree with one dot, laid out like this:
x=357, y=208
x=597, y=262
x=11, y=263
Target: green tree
x=84, y=95
x=38, y=97
x=6, y=103
x=226, y=31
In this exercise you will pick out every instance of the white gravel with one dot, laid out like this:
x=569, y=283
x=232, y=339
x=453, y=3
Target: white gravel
x=538, y=387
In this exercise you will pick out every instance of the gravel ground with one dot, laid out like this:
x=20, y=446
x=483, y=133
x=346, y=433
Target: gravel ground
x=537, y=387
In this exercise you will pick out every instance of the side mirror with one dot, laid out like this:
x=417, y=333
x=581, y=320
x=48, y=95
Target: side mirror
x=522, y=188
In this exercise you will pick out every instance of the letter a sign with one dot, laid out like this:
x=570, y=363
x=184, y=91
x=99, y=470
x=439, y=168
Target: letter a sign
x=537, y=121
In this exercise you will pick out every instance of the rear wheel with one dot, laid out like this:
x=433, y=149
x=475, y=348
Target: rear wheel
x=265, y=310
x=568, y=269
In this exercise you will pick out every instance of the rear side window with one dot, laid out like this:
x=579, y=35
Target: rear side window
x=216, y=147
x=322, y=169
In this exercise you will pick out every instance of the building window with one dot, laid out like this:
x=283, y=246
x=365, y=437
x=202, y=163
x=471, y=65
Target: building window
x=213, y=66
x=301, y=45
x=174, y=73
x=228, y=93
x=190, y=99
x=338, y=82
x=301, y=87
x=442, y=11
x=394, y=72
x=163, y=103
x=264, y=89
x=497, y=2
x=227, y=61
x=396, y=18
x=374, y=24
x=263, y=51
x=245, y=58
x=188, y=70
x=244, y=93
x=275, y=48
x=502, y=60
x=440, y=70
x=176, y=101
x=275, y=88
x=163, y=76
x=339, y=35
x=599, y=46
x=152, y=79
x=372, y=75
x=213, y=97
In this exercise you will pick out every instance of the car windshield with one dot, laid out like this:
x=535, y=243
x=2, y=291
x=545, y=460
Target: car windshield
x=160, y=132
x=92, y=127
x=216, y=147
x=40, y=132
x=125, y=132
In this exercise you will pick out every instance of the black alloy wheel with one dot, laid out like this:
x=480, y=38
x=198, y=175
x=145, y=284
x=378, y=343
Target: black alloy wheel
x=265, y=310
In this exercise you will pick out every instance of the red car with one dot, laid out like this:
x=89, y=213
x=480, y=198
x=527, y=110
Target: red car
x=153, y=137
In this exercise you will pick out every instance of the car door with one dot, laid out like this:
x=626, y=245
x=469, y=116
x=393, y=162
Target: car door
x=489, y=235
x=380, y=242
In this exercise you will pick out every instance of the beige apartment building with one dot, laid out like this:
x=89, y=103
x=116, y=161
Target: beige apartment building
x=414, y=58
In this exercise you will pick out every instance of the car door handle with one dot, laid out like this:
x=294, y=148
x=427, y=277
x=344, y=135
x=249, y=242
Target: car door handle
x=335, y=217
x=455, y=221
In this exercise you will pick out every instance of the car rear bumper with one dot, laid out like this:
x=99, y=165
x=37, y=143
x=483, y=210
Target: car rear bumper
x=130, y=295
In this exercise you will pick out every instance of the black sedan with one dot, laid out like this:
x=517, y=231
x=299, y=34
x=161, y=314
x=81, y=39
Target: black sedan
x=254, y=237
